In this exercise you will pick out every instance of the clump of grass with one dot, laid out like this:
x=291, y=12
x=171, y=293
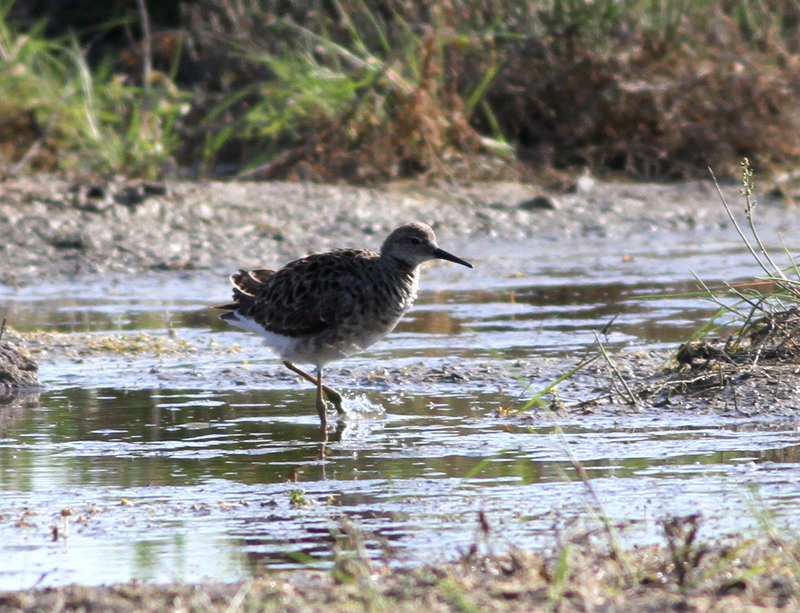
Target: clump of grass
x=765, y=312
x=366, y=91
x=66, y=115
x=353, y=94
x=297, y=498
x=742, y=354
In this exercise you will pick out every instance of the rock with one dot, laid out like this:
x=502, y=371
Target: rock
x=17, y=370
x=133, y=194
x=70, y=240
x=584, y=184
x=539, y=203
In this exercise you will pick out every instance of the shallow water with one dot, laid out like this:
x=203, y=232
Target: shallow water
x=181, y=467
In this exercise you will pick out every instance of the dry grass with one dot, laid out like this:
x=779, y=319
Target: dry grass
x=683, y=575
x=372, y=90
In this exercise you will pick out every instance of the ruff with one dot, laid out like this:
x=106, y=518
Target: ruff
x=328, y=306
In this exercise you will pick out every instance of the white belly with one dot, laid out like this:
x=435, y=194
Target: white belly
x=280, y=344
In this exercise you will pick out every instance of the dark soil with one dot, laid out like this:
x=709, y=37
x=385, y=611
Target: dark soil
x=16, y=369
x=754, y=371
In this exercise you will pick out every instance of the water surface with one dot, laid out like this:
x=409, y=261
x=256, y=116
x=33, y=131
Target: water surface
x=181, y=468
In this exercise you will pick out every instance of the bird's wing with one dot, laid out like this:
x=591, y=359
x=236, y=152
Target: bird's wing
x=312, y=294
x=250, y=282
x=246, y=285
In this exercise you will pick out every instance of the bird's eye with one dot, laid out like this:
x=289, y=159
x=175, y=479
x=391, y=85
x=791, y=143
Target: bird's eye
x=414, y=240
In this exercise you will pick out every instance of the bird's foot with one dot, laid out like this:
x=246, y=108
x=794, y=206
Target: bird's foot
x=335, y=399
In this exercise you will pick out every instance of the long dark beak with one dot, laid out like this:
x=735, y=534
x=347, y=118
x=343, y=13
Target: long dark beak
x=441, y=254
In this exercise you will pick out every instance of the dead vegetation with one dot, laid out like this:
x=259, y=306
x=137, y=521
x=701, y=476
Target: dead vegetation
x=683, y=574
x=751, y=371
x=380, y=89
x=553, y=85
x=661, y=117
x=756, y=365
x=774, y=337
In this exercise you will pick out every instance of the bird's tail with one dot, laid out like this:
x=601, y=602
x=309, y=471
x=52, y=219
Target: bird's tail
x=246, y=285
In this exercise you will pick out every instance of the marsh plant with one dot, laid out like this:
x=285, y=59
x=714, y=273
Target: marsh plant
x=764, y=313
x=370, y=90
x=71, y=115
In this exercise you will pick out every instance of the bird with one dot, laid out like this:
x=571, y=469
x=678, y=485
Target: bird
x=327, y=306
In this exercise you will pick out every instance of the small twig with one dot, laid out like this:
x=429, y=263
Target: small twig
x=607, y=328
x=615, y=371
x=507, y=409
x=590, y=401
x=239, y=598
x=755, y=359
x=584, y=361
x=2, y=328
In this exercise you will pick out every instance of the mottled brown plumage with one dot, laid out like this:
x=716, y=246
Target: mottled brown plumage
x=330, y=305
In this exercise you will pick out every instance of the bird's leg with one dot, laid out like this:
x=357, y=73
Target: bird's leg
x=332, y=395
x=321, y=406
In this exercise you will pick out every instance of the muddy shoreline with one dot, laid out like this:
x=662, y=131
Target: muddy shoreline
x=51, y=227
x=54, y=231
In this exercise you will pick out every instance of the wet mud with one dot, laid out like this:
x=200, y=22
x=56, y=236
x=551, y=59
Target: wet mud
x=51, y=227
x=17, y=370
x=652, y=381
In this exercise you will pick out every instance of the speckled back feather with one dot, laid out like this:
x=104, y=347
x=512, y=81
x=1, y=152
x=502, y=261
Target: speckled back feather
x=322, y=291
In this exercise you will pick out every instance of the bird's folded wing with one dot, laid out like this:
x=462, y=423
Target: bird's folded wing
x=299, y=313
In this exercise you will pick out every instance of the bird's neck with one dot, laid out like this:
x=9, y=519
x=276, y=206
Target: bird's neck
x=408, y=273
x=404, y=267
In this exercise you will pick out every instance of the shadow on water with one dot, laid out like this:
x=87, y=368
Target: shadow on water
x=208, y=463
